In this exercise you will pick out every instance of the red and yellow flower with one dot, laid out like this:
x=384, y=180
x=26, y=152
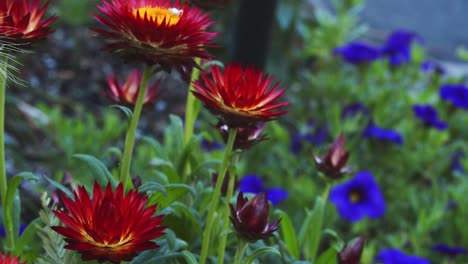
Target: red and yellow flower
x=156, y=31
x=7, y=259
x=110, y=226
x=241, y=98
x=21, y=21
x=127, y=92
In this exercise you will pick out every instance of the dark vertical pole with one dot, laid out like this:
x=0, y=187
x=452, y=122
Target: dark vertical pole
x=252, y=30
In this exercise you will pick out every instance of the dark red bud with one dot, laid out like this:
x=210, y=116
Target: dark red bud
x=351, y=254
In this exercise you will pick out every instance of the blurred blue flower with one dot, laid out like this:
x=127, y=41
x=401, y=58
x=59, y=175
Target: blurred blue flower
x=357, y=52
x=3, y=231
x=450, y=251
x=398, y=46
x=253, y=184
x=430, y=66
x=429, y=116
x=212, y=145
x=373, y=131
x=396, y=256
x=351, y=110
x=457, y=94
x=359, y=197
x=456, y=164
x=315, y=135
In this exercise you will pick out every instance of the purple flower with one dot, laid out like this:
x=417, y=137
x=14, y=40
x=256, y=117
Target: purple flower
x=373, y=131
x=430, y=66
x=447, y=250
x=316, y=135
x=396, y=256
x=429, y=116
x=456, y=164
x=357, y=52
x=212, y=145
x=457, y=94
x=253, y=184
x=351, y=110
x=358, y=197
x=398, y=46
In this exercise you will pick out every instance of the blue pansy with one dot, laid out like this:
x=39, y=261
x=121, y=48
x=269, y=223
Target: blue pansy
x=253, y=184
x=398, y=46
x=431, y=66
x=210, y=145
x=359, y=197
x=457, y=94
x=315, y=135
x=429, y=116
x=357, y=52
x=451, y=251
x=354, y=109
x=373, y=131
x=396, y=256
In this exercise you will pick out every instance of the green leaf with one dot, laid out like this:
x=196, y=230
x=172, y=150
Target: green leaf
x=98, y=169
x=127, y=111
x=173, y=193
x=153, y=187
x=309, y=236
x=59, y=186
x=261, y=251
x=189, y=257
x=289, y=234
x=328, y=257
x=13, y=184
x=27, y=238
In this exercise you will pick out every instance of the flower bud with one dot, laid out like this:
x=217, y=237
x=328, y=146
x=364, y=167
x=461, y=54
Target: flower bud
x=250, y=219
x=246, y=137
x=351, y=254
x=332, y=164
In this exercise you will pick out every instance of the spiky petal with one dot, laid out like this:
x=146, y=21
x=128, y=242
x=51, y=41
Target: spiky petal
x=8, y=259
x=110, y=226
x=156, y=31
x=21, y=21
x=241, y=98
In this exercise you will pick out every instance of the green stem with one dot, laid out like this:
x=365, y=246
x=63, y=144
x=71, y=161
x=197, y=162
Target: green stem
x=130, y=137
x=315, y=246
x=216, y=196
x=242, y=246
x=7, y=217
x=230, y=192
x=191, y=109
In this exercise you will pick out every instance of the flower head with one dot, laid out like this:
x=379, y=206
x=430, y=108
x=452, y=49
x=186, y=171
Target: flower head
x=398, y=46
x=315, y=135
x=451, y=251
x=8, y=259
x=253, y=184
x=358, y=197
x=210, y=4
x=332, y=164
x=110, y=226
x=21, y=21
x=241, y=98
x=457, y=94
x=250, y=218
x=373, y=131
x=432, y=66
x=156, y=31
x=396, y=256
x=246, y=137
x=354, y=109
x=429, y=116
x=127, y=92
x=351, y=252
x=357, y=52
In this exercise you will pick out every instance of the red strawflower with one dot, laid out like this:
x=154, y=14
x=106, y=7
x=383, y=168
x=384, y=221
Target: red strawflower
x=7, y=259
x=332, y=164
x=241, y=98
x=250, y=219
x=156, y=31
x=127, y=92
x=109, y=226
x=210, y=4
x=21, y=21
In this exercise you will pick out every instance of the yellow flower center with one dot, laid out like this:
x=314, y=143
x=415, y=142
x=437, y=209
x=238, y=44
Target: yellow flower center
x=355, y=197
x=158, y=14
